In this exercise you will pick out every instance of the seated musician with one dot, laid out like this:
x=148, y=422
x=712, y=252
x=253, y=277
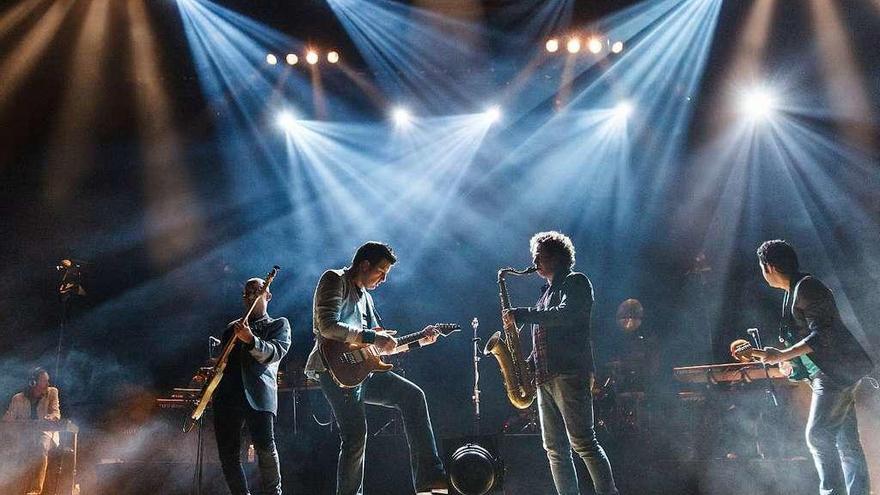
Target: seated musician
x=38, y=401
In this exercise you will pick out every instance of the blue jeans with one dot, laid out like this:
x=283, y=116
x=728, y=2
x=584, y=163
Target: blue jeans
x=833, y=439
x=388, y=390
x=566, y=411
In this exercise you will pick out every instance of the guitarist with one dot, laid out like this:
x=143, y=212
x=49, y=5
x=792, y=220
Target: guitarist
x=248, y=392
x=343, y=310
x=834, y=362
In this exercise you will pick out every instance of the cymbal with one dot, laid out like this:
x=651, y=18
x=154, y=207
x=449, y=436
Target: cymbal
x=629, y=315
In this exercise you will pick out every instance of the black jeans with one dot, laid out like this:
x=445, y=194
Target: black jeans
x=388, y=390
x=833, y=439
x=228, y=421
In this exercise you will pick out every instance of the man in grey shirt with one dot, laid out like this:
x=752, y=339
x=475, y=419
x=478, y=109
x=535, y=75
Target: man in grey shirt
x=343, y=310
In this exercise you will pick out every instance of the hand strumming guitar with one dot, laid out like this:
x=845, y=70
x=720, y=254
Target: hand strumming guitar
x=385, y=341
x=769, y=355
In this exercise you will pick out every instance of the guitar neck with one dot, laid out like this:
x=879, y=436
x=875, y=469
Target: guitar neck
x=410, y=338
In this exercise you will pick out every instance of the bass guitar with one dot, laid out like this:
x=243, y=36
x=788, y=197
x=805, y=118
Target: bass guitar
x=217, y=373
x=351, y=364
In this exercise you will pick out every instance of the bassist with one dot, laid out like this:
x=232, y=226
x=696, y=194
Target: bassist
x=831, y=358
x=248, y=392
x=343, y=310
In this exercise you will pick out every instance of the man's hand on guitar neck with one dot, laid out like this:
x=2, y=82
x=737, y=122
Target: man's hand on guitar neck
x=243, y=332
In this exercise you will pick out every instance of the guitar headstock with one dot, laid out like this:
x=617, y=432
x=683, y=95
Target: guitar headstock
x=447, y=329
x=741, y=350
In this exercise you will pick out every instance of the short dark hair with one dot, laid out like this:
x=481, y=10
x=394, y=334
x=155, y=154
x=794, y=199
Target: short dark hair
x=374, y=252
x=555, y=244
x=780, y=255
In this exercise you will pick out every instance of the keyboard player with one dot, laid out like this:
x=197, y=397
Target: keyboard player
x=37, y=402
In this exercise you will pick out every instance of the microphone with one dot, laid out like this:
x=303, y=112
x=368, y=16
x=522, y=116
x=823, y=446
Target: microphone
x=213, y=340
x=475, y=323
x=756, y=336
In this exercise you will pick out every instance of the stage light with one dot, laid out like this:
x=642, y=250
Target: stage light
x=312, y=57
x=493, y=114
x=594, y=45
x=474, y=466
x=292, y=59
x=617, y=47
x=401, y=116
x=573, y=45
x=758, y=103
x=552, y=45
x=623, y=110
x=333, y=57
x=271, y=59
x=286, y=121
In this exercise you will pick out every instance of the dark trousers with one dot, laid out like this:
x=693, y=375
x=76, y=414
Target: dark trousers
x=228, y=422
x=388, y=390
x=833, y=439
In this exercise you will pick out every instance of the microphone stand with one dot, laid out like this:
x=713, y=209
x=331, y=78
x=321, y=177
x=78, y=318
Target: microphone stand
x=476, y=396
x=768, y=390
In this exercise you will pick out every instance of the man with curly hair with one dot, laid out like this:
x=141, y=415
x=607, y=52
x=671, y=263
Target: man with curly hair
x=834, y=362
x=562, y=356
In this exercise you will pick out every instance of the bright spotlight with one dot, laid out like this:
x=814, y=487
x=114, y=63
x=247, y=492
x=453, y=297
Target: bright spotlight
x=594, y=45
x=333, y=57
x=552, y=45
x=493, y=114
x=292, y=59
x=758, y=103
x=573, y=45
x=286, y=121
x=617, y=47
x=271, y=59
x=401, y=116
x=623, y=110
x=312, y=57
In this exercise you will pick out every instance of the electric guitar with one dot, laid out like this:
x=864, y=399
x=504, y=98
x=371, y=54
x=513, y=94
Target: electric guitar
x=351, y=364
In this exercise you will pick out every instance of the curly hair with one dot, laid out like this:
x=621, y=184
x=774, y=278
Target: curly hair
x=554, y=243
x=780, y=254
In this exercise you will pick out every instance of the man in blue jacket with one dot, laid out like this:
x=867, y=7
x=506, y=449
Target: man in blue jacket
x=248, y=392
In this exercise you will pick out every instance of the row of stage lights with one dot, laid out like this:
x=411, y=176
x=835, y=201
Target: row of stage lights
x=402, y=117
x=593, y=44
x=312, y=57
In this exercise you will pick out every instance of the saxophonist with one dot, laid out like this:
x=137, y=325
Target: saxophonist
x=563, y=359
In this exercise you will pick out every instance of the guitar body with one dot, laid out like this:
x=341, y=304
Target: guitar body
x=351, y=364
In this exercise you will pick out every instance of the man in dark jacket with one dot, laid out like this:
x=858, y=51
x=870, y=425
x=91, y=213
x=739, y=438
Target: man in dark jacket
x=248, y=392
x=834, y=361
x=563, y=359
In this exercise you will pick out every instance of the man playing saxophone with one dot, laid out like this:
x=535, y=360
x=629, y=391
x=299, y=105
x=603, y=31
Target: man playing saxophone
x=563, y=358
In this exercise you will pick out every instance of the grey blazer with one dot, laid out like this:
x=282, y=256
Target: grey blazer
x=340, y=311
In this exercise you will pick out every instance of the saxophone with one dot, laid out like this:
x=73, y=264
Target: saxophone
x=518, y=379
